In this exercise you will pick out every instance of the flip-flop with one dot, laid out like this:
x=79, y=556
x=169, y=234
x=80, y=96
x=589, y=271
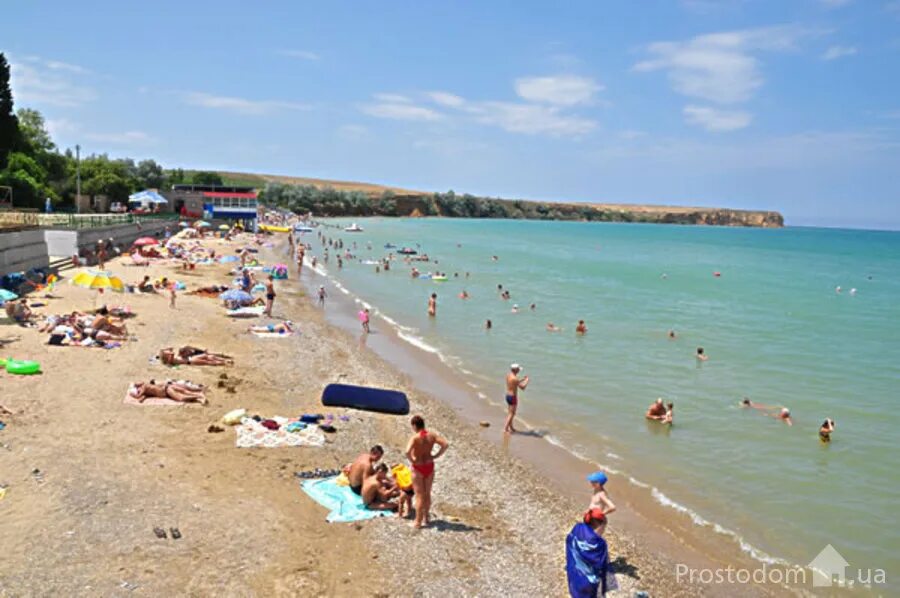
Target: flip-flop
x=160, y=533
x=176, y=535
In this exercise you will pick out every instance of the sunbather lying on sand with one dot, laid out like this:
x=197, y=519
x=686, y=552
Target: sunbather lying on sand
x=284, y=328
x=193, y=356
x=210, y=291
x=177, y=390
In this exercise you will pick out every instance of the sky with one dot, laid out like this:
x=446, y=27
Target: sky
x=788, y=105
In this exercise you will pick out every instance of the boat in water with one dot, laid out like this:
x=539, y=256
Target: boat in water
x=354, y=228
x=407, y=251
x=302, y=228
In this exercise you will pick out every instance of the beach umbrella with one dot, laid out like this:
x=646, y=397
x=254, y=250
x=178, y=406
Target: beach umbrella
x=143, y=241
x=202, y=223
x=224, y=227
x=236, y=295
x=183, y=224
x=98, y=279
x=7, y=295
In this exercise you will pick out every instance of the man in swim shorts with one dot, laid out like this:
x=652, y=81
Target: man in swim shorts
x=363, y=467
x=513, y=384
x=419, y=452
x=657, y=411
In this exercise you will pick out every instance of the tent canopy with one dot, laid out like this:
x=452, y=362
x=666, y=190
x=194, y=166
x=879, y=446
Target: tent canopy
x=147, y=196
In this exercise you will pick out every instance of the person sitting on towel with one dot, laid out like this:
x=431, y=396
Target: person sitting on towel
x=363, y=467
x=376, y=493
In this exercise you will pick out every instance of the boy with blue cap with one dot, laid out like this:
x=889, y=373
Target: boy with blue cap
x=600, y=500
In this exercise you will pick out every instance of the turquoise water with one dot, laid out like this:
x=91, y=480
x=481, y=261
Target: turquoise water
x=774, y=328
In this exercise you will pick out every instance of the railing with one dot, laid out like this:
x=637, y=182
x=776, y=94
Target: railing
x=76, y=221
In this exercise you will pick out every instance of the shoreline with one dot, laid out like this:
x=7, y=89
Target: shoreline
x=564, y=469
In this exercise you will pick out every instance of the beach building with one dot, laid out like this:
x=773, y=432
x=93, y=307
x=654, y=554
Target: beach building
x=219, y=202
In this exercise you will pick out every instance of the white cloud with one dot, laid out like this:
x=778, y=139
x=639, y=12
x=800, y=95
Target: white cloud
x=392, y=98
x=835, y=52
x=241, y=105
x=716, y=120
x=560, y=90
x=720, y=67
x=126, y=137
x=400, y=109
x=39, y=81
x=531, y=119
x=301, y=54
x=446, y=99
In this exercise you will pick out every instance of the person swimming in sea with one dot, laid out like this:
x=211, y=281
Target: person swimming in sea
x=672, y=334
x=657, y=411
x=488, y=325
x=784, y=415
x=581, y=328
x=700, y=355
x=515, y=309
x=464, y=295
x=826, y=429
x=551, y=327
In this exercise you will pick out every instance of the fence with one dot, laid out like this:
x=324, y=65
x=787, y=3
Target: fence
x=75, y=221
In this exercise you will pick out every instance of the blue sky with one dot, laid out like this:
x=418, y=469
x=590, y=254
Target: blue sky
x=791, y=105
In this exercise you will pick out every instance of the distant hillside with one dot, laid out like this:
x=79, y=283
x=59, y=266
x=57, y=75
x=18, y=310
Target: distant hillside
x=347, y=198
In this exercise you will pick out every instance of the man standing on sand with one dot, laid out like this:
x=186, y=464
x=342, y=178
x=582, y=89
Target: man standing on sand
x=513, y=384
x=363, y=467
x=322, y=295
x=432, y=305
x=270, y=295
x=419, y=452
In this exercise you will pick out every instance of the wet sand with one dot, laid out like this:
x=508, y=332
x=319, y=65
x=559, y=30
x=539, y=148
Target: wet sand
x=88, y=477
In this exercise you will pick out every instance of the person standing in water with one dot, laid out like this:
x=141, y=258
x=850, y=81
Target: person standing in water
x=826, y=429
x=432, y=305
x=419, y=452
x=322, y=295
x=513, y=385
x=364, y=319
x=581, y=328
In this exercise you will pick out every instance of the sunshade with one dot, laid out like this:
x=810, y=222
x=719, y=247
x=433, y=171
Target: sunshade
x=145, y=241
x=224, y=227
x=98, y=279
x=202, y=223
x=7, y=295
x=148, y=196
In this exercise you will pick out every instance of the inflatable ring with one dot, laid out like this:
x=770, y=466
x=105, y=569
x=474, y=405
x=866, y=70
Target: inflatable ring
x=23, y=368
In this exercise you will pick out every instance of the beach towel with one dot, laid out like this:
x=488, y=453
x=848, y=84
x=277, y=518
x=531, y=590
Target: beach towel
x=271, y=334
x=251, y=433
x=343, y=504
x=246, y=312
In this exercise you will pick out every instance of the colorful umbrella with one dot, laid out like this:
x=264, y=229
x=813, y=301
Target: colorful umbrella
x=224, y=227
x=143, y=241
x=98, y=279
x=184, y=224
x=202, y=223
x=7, y=295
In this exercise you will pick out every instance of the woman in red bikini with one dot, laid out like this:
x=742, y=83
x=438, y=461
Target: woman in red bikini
x=419, y=452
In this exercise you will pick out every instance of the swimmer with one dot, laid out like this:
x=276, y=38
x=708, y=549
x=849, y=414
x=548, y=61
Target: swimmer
x=657, y=411
x=515, y=309
x=533, y=306
x=432, y=305
x=745, y=402
x=672, y=334
x=837, y=289
x=494, y=258
x=784, y=415
x=826, y=429
x=853, y=291
x=581, y=328
x=488, y=325
x=701, y=356
x=551, y=327
x=464, y=295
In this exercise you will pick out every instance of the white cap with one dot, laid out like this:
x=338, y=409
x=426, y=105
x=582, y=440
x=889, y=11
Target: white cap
x=515, y=366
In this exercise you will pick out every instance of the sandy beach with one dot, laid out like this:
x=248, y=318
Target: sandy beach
x=89, y=477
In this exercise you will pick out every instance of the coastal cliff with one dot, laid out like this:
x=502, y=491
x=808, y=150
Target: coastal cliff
x=339, y=198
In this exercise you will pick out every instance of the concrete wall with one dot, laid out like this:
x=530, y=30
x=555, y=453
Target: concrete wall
x=66, y=242
x=21, y=251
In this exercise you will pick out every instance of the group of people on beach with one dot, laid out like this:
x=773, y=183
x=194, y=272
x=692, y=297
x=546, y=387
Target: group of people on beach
x=401, y=487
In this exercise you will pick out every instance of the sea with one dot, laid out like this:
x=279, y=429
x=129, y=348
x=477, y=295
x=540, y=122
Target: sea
x=805, y=318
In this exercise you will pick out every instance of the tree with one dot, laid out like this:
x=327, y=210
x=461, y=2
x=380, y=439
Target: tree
x=26, y=177
x=9, y=124
x=204, y=177
x=150, y=175
x=33, y=131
